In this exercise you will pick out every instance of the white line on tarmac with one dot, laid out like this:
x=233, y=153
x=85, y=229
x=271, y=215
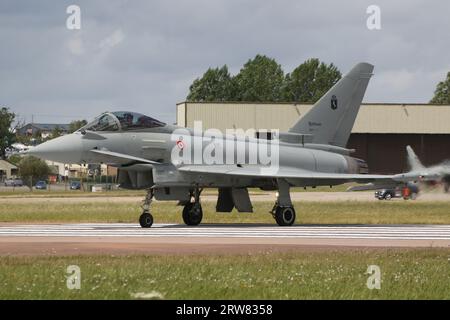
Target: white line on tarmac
x=397, y=232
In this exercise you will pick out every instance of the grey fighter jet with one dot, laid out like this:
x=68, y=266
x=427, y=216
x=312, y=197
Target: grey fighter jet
x=169, y=161
x=419, y=173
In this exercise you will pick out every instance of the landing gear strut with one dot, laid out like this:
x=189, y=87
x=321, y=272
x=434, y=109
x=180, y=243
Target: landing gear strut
x=146, y=219
x=192, y=211
x=283, y=211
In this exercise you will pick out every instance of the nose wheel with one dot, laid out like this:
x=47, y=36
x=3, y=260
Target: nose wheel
x=146, y=220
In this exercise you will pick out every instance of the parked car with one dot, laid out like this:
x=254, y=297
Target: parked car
x=408, y=192
x=387, y=194
x=13, y=183
x=41, y=185
x=75, y=185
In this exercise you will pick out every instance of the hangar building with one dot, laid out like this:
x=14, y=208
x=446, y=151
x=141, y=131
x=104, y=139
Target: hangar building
x=380, y=134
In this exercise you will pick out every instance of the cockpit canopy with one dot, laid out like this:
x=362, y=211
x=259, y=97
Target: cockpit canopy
x=122, y=121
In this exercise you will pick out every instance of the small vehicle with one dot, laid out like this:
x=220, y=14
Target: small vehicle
x=41, y=185
x=386, y=194
x=13, y=183
x=407, y=192
x=75, y=185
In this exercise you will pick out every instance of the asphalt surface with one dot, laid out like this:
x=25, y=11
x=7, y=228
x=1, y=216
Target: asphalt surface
x=103, y=238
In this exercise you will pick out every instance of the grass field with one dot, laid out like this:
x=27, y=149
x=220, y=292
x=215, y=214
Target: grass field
x=309, y=274
x=350, y=212
x=405, y=274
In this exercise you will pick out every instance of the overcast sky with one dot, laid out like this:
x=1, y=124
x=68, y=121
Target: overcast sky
x=143, y=55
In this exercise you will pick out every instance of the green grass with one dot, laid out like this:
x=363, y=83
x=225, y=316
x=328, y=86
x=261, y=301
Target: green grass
x=405, y=274
x=343, y=212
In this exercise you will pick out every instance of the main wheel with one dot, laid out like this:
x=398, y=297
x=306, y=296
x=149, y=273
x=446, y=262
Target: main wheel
x=192, y=214
x=285, y=216
x=388, y=196
x=146, y=220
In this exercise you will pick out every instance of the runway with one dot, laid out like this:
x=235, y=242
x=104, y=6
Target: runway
x=168, y=238
x=127, y=230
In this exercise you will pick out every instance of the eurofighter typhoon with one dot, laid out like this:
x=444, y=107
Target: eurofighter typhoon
x=177, y=163
x=439, y=173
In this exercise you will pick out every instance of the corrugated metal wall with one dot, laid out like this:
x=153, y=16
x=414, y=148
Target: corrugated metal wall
x=245, y=116
x=372, y=118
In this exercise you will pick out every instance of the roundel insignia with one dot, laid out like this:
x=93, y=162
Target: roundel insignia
x=334, y=102
x=180, y=144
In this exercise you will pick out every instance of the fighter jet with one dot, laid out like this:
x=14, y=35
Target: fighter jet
x=419, y=173
x=176, y=163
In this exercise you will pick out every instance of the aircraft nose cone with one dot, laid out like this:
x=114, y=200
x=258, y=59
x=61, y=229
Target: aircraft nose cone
x=64, y=149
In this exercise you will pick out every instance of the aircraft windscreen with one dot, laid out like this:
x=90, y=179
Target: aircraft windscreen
x=136, y=121
x=105, y=122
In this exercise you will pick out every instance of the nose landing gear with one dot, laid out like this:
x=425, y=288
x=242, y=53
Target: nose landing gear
x=146, y=219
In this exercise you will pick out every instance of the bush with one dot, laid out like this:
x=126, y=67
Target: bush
x=32, y=169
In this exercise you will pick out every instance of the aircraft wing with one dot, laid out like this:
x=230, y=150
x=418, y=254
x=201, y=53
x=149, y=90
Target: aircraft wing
x=286, y=173
x=120, y=158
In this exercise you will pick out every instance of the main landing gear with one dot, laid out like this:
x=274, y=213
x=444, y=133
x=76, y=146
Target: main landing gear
x=283, y=211
x=284, y=216
x=146, y=218
x=192, y=211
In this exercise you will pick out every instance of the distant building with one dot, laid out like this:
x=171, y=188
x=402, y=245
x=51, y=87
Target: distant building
x=62, y=170
x=68, y=170
x=44, y=129
x=7, y=170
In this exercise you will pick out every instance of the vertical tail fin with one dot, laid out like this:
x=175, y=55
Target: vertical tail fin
x=331, y=119
x=413, y=160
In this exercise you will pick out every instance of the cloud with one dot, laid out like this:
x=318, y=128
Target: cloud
x=112, y=40
x=75, y=45
x=397, y=80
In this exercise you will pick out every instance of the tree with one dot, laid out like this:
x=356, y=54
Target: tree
x=32, y=169
x=56, y=132
x=442, y=92
x=310, y=81
x=261, y=79
x=215, y=85
x=15, y=159
x=77, y=124
x=7, y=136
